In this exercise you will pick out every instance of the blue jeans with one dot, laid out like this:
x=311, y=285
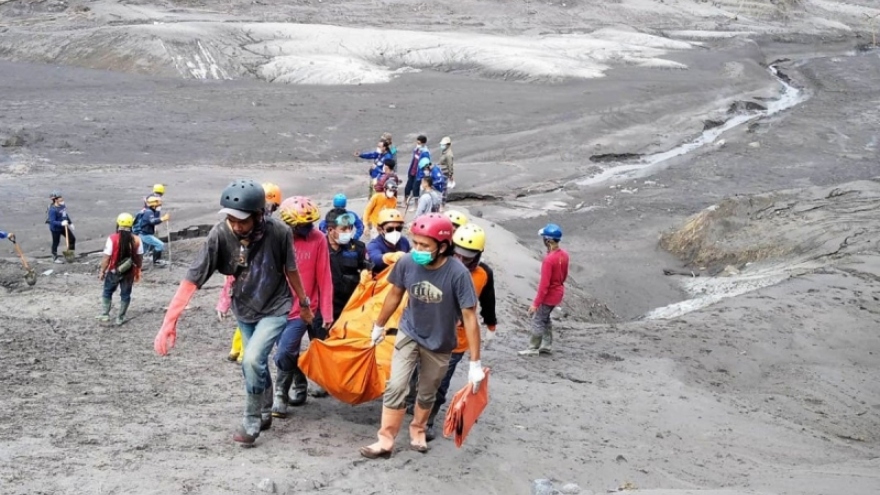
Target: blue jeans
x=113, y=280
x=291, y=340
x=257, y=340
x=152, y=242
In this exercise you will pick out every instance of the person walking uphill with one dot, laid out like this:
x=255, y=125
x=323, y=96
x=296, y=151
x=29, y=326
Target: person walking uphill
x=440, y=294
x=412, y=184
x=60, y=225
x=120, y=267
x=258, y=251
x=149, y=218
x=551, y=290
x=313, y=262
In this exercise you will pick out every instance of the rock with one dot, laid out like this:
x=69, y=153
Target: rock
x=729, y=271
x=754, y=144
x=266, y=485
x=543, y=487
x=571, y=489
x=47, y=273
x=13, y=142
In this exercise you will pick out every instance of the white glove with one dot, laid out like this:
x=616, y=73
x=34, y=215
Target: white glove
x=476, y=374
x=70, y=226
x=378, y=334
x=65, y=223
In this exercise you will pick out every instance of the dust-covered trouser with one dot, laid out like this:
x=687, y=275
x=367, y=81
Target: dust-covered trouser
x=432, y=368
x=542, y=327
x=257, y=340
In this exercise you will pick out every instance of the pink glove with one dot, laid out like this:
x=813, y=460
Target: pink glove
x=167, y=335
x=225, y=300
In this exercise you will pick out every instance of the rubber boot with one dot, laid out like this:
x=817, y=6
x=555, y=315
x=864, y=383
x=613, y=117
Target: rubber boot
x=123, y=308
x=105, y=310
x=298, y=394
x=534, y=345
x=430, y=434
x=418, y=442
x=247, y=433
x=392, y=419
x=235, y=350
x=281, y=399
x=266, y=409
x=546, y=342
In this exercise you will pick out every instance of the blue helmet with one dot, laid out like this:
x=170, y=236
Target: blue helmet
x=339, y=201
x=551, y=231
x=424, y=162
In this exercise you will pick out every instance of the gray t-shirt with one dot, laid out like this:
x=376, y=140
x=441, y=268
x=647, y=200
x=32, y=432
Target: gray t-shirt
x=260, y=289
x=436, y=298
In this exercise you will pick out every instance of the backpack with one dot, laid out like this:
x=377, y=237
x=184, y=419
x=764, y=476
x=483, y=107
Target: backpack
x=138, y=220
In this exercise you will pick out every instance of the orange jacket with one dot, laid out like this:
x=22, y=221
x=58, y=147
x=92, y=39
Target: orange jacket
x=480, y=279
x=378, y=203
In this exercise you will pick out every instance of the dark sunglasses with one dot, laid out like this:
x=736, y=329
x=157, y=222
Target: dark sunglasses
x=393, y=229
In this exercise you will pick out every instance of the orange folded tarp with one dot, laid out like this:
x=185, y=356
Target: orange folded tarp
x=465, y=409
x=346, y=364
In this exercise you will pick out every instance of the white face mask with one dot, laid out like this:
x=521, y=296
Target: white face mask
x=392, y=237
x=389, y=194
x=344, y=237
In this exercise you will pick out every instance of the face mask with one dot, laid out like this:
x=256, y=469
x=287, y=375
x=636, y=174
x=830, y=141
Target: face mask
x=303, y=230
x=392, y=237
x=469, y=263
x=422, y=257
x=444, y=146
x=344, y=237
x=378, y=150
x=389, y=194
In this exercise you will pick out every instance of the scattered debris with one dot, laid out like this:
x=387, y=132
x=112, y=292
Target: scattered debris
x=266, y=485
x=543, y=487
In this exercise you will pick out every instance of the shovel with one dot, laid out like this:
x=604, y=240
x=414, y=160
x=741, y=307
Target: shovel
x=69, y=255
x=30, y=275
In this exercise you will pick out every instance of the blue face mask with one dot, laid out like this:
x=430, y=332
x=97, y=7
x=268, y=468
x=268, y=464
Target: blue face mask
x=303, y=230
x=422, y=257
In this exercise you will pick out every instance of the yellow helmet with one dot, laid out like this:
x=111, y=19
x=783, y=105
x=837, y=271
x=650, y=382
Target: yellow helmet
x=154, y=201
x=457, y=217
x=273, y=193
x=124, y=221
x=390, y=215
x=298, y=210
x=471, y=237
x=159, y=189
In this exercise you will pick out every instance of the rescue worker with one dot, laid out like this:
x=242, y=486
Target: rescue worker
x=58, y=219
x=430, y=199
x=440, y=293
x=120, y=267
x=426, y=168
x=386, y=136
x=412, y=183
x=339, y=208
x=7, y=235
x=313, y=263
x=446, y=165
x=382, y=153
x=470, y=242
x=389, y=240
x=258, y=251
x=273, y=201
x=158, y=191
x=379, y=203
x=387, y=174
x=551, y=290
x=348, y=257
x=150, y=217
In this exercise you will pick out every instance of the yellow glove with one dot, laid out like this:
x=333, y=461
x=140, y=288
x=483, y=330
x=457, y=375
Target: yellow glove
x=391, y=258
x=166, y=217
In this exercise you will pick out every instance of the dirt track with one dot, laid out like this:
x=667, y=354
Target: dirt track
x=769, y=390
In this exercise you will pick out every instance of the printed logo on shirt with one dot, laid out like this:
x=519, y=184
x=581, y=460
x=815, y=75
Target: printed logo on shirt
x=426, y=292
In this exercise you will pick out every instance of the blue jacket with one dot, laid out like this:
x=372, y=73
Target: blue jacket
x=3, y=235
x=437, y=175
x=150, y=219
x=377, y=247
x=358, y=226
x=419, y=152
x=58, y=214
x=379, y=162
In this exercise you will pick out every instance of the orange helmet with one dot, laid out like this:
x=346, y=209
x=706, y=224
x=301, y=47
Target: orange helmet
x=390, y=215
x=299, y=210
x=273, y=193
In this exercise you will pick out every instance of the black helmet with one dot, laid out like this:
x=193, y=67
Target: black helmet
x=244, y=195
x=55, y=194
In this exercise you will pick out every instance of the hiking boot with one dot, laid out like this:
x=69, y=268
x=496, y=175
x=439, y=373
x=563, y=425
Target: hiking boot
x=430, y=434
x=534, y=345
x=546, y=343
x=105, y=310
x=298, y=395
x=123, y=308
x=157, y=259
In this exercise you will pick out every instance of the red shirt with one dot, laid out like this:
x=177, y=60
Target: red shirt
x=554, y=271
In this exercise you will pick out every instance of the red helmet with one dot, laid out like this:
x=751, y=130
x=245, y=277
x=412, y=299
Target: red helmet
x=434, y=225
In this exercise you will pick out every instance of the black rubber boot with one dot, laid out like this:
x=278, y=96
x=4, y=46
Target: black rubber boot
x=299, y=391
